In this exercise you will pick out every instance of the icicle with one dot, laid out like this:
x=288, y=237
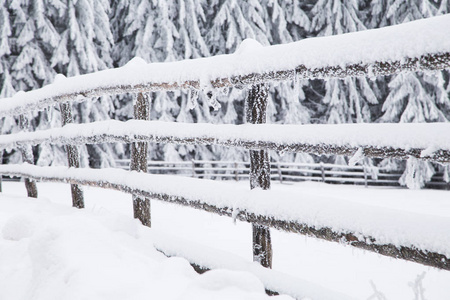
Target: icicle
x=296, y=85
x=370, y=73
x=212, y=97
x=429, y=151
x=235, y=214
x=357, y=157
x=193, y=98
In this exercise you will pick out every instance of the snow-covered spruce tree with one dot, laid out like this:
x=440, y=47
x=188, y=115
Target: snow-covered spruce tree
x=84, y=47
x=415, y=97
x=346, y=100
x=161, y=31
x=6, y=88
x=376, y=14
x=444, y=7
x=231, y=21
x=33, y=38
x=297, y=21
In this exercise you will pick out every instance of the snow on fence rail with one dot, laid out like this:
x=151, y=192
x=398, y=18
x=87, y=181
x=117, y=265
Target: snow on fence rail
x=419, y=45
x=425, y=141
x=425, y=241
x=413, y=46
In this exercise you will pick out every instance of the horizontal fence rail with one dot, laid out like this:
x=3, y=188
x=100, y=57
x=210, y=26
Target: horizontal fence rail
x=161, y=188
x=368, y=53
x=371, y=140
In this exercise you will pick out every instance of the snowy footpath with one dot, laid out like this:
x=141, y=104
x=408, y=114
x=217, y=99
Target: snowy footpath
x=49, y=250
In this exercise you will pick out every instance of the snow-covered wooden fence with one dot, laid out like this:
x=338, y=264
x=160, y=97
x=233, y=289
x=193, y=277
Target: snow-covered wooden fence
x=417, y=46
x=280, y=171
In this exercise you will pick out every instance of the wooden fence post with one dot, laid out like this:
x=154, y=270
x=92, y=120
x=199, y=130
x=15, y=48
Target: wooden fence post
x=73, y=157
x=365, y=176
x=27, y=157
x=256, y=105
x=322, y=171
x=193, y=168
x=139, y=152
x=280, y=175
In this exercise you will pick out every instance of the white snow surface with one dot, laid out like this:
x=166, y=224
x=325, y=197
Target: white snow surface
x=428, y=136
x=386, y=224
x=395, y=43
x=50, y=251
x=201, y=237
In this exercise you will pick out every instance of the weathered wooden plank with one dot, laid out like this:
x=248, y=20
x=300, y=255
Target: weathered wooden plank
x=27, y=157
x=440, y=156
x=141, y=205
x=255, y=108
x=426, y=62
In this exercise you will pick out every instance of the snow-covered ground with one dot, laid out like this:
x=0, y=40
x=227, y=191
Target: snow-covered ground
x=51, y=251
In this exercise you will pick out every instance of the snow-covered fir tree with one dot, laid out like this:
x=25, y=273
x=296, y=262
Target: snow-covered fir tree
x=85, y=45
x=415, y=97
x=33, y=38
x=6, y=88
x=346, y=100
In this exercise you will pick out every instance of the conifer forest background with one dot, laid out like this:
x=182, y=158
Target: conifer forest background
x=41, y=38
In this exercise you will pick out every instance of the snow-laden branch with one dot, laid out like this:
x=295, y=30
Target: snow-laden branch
x=417, y=45
x=411, y=236
x=426, y=141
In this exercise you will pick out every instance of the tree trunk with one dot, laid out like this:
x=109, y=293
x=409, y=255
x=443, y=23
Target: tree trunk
x=73, y=157
x=27, y=157
x=256, y=105
x=139, y=150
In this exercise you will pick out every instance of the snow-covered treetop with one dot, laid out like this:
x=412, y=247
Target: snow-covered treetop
x=418, y=45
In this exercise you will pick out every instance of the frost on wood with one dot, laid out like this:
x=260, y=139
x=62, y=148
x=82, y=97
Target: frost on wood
x=73, y=156
x=255, y=109
x=423, y=63
x=27, y=157
x=141, y=205
x=399, y=141
x=256, y=105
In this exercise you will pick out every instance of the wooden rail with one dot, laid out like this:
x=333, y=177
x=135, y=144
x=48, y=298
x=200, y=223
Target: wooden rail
x=347, y=55
x=255, y=137
x=90, y=177
x=259, y=70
